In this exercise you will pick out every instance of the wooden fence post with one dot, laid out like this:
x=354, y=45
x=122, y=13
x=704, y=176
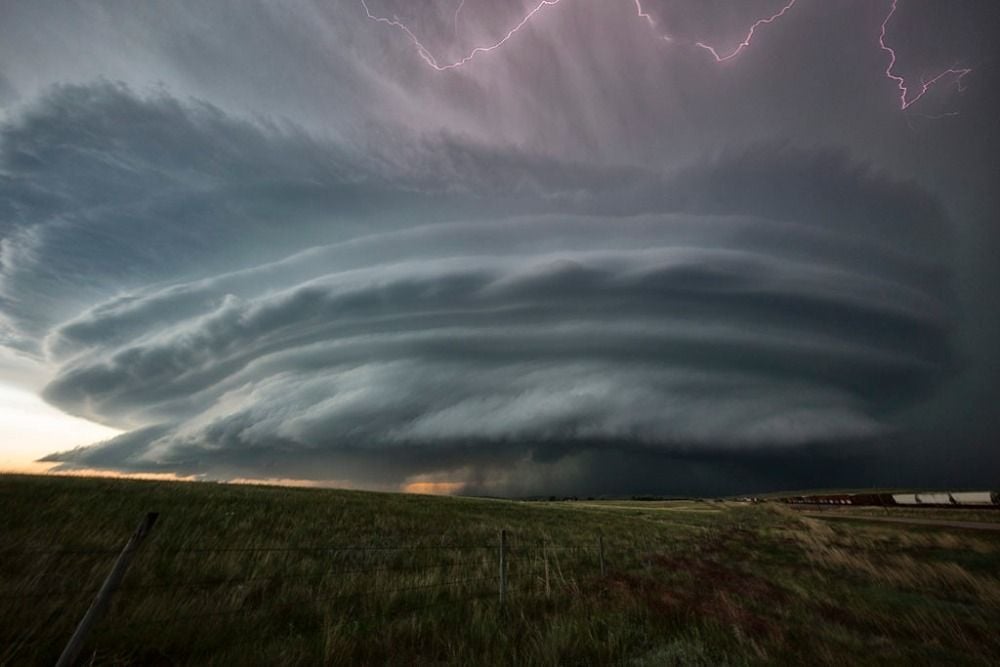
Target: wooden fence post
x=600, y=550
x=545, y=554
x=503, y=566
x=100, y=603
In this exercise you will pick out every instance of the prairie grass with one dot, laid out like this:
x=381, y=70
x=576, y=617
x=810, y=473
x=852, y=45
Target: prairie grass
x=287, y=576
x=969, y=513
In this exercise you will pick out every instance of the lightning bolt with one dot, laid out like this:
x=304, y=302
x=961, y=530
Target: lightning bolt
x=749, y=36
x=905, y=99
x=925, y=85
x=429, y=58
x=643, y=15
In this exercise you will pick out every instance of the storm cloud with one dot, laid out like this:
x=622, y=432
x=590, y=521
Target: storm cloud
x=249, y=291
x=691, y=313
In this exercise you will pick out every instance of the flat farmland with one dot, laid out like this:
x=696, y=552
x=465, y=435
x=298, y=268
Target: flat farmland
x=288, y=576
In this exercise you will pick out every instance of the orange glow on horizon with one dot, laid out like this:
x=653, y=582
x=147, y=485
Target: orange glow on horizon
x=417, y=487
x=434, y=488
x=46, y=469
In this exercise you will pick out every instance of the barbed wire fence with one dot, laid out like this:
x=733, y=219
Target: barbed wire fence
x=361, y=582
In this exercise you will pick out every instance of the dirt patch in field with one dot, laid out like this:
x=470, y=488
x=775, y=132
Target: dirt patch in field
x=707, y=589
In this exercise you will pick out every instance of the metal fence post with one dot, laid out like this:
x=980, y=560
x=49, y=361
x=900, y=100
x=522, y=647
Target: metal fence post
x=600, y=551
x=100, y=603
x=503, y=566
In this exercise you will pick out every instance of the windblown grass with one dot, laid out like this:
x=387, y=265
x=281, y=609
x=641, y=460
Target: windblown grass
x=262, y=575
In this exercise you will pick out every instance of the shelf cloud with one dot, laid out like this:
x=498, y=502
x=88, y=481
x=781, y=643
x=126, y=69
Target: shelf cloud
x=759, y=300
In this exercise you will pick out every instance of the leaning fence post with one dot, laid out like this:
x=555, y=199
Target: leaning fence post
x=100, y=603
x=503, y=566
x=600, y=551
x=545, y=554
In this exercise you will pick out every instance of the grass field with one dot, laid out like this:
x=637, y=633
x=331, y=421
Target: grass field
x=940, y=514
x=264, y=575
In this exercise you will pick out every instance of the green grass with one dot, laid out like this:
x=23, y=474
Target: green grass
x=688, y=583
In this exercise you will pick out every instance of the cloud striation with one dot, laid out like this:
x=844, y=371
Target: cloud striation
x=465, y=312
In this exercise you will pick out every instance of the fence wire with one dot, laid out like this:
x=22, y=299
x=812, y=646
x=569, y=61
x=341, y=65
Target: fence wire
x=533, y=568
x=377, y=593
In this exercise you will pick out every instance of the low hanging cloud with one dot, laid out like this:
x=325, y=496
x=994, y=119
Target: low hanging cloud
x=457, y=311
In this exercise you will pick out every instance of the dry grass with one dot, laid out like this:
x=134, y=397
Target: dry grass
x=859, y=554
x=685, y=586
